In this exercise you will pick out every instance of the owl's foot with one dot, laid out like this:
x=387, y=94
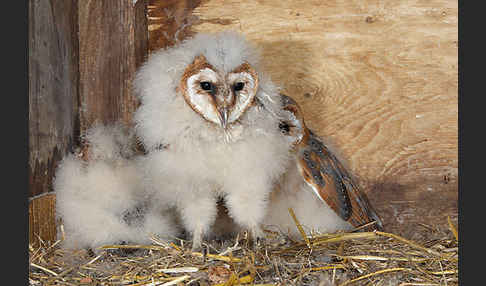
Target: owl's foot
x=256, y=237
x=196, y=247
x=197, y=240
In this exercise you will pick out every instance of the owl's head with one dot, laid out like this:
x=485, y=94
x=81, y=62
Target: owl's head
x=218, y=95
x=292, y=124
x=207, y=86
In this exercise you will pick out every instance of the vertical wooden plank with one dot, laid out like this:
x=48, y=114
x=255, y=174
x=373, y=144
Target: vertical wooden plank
x=108, y=59
x=141, y=32
x=53, y=96
x=53, y=82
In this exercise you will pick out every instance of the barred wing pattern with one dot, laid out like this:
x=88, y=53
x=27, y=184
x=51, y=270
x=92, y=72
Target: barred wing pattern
x=323, y=172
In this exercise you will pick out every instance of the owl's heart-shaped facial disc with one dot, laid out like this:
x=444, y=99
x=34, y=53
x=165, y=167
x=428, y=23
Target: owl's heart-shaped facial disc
x=220, y=98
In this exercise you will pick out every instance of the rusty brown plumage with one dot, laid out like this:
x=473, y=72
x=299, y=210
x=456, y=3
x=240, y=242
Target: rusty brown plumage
x=199, y=63
x=219, y=102
x=246, y=67
x=325, y=174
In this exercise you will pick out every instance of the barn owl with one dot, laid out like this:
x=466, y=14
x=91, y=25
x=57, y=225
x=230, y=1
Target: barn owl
x=207, y=120
x=100, y=197
x=316, y=186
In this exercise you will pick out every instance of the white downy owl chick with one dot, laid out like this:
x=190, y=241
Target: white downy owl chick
x=101, y=200
x=317, y=187
x=207, y=119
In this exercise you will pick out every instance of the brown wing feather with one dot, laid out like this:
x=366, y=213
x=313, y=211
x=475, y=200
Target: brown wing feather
x=323, y=179
x=323, y=172
x=332, y=183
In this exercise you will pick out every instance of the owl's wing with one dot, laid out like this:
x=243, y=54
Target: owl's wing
x=323, y=172
x=332, y=184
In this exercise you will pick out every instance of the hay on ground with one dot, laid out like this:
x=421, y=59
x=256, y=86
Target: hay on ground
x=351, y=258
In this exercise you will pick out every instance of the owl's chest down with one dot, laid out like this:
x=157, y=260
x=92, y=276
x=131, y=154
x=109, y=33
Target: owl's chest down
x=258, y=158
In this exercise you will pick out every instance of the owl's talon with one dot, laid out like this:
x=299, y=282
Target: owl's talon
x=196, y=247
x=255, y=237
x=204, y=252
x=197, y=241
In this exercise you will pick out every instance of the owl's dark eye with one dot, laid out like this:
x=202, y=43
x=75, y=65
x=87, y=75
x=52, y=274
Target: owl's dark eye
x=239, y=86
x=284, y=127
x=206, y=85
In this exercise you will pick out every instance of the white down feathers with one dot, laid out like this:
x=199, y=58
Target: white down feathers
x=314, y=215
x=103, y=200
x=202, y=161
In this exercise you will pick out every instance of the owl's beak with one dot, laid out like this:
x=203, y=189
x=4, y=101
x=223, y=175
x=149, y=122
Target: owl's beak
x=223, y=116
x=224, y=106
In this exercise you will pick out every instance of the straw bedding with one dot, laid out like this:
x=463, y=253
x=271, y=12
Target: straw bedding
x=343, y=258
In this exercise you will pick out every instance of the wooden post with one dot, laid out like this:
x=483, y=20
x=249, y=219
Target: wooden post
x=108, y=58
x=82, y=58
x=53, y=102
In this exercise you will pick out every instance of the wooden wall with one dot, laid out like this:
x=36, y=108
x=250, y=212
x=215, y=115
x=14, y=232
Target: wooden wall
x=377, y=79
x=82, y=58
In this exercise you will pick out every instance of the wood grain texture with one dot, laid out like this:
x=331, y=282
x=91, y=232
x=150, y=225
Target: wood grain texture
x=42, y=219
x=108, y=59
x=53, y=88
x=82, y=59
x=377, y=79
x=170, y=21
x=141, y=32
x=53, y=104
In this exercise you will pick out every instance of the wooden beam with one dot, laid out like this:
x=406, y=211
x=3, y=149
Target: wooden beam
x=53, y=88
x=53, y=103
x=141, y=32
x=110, y=47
